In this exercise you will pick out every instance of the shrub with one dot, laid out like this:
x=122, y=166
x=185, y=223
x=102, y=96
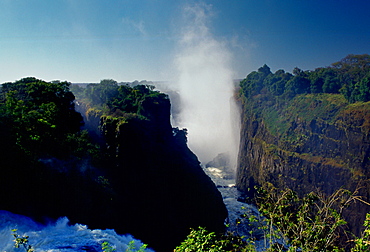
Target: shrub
x=310, y=223
x=200, y=240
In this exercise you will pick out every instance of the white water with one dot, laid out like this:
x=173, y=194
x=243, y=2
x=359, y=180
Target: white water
x=59, y=236
x=239, y=212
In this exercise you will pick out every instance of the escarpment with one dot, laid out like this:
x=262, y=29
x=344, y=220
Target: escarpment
x=304, y=140
x=160, y=189
x=321, y=155
x=126, y=170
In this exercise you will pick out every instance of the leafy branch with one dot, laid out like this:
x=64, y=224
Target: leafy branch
x=21, y=241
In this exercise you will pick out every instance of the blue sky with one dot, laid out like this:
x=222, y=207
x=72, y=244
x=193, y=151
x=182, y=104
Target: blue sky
x=126, y=40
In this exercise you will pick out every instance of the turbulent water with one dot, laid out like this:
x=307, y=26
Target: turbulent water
x=240, y=213
x=59, y=236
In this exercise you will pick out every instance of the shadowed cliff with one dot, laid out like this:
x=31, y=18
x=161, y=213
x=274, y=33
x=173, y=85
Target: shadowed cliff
x=131, y=172
x=308, y=131
x=161, y=189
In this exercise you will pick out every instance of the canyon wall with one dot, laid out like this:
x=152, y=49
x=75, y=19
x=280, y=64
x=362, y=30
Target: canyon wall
x=161, y=189
x=308, y=143
x=128, y=170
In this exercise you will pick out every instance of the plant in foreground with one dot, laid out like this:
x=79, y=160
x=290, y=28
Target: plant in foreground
x=21, y=241
x=363, y=243
x=200, y=240
x=106, y=247
x=131, y=247
x=311, y=223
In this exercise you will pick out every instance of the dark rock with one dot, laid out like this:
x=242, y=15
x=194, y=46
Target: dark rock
x=161, y=189
x=221, y=160
x=326, y=155
x=148, y=184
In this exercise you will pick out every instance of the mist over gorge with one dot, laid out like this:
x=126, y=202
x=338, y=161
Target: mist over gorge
x=126, y=169
x=306, y=131
x=110, y=155
x=206, y=88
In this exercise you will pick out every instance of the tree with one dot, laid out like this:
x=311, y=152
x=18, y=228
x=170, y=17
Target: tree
x=297, y=85
x=253, y=83
x=40, y=114
x=331, y=85
x=364, y=87
x=276, y=82
x=298, y=71
x=265, y=70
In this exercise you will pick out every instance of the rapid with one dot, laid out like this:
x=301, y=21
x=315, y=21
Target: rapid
x=60, y=236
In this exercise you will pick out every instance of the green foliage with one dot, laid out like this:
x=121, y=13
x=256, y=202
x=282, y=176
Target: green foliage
x=279, y=105
x=307, y=224
x=297, y=85
x=310, y=223
x=21, y=241
x=101, y=93
x=106, y=247
x=362, y=244
x=119, y=100
x=39, y=115
x=131, y=247
x=280, y=116
x=350, y=77
x=200, y=240
x=254, y=83
x=275, y=83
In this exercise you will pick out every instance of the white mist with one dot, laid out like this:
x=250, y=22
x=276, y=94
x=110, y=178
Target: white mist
x=205, y=84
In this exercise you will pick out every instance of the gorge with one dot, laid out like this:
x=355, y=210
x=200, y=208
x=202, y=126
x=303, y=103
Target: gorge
x=131, y=171
x=211, y=151
x=136, y=176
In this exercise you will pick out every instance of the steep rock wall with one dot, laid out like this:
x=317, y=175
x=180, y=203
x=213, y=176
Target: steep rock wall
x=312, y=153
x=160, y=189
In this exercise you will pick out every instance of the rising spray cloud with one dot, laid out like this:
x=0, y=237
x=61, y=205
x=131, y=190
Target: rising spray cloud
x=205, y=83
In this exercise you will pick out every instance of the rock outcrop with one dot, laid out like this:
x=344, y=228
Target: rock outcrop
x=307, y=150
x=160, y=189
x=135, y=173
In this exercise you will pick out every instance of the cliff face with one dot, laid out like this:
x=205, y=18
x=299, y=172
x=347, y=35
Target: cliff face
x=311, y=142
x=160, y=189
x=132, y=172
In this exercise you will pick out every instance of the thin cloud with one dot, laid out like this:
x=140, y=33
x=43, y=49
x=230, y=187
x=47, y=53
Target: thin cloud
x=138, y=26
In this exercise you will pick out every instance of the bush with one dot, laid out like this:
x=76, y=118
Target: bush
x=200, y=240
x=310, y=223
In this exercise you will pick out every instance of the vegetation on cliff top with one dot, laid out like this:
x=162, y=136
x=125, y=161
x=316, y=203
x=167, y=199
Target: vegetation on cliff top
x=39, y=117
x=349, y=77
x=116, y=100
x=39, y=120
x=308, y=130
x=303, y=108
x=327, y=94
x=58, y=170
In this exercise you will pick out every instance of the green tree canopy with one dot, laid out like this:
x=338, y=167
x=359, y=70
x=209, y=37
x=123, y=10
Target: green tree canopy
x=349, y=76
x=39, y=114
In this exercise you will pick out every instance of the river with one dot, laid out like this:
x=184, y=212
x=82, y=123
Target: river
x=62, y=237
x=59, y=236
x=240, y=213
